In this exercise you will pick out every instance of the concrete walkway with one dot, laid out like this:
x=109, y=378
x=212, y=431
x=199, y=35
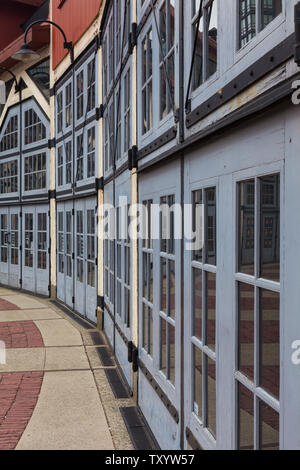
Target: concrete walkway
x=52, y=386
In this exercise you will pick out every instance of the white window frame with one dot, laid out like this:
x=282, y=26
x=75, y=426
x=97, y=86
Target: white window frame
x=198, y=95
x=258, y=283
x=26, y=107
x=159, y=126
x=15, y=111
x=36, y=191
x=14, y=194
x=275, y=31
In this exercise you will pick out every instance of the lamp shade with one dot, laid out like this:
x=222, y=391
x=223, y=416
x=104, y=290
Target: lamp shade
x=25, y=54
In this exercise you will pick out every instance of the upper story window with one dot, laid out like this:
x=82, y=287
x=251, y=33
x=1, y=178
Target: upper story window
x=127, y=112
x=35, y=126
x=68, y=104
x=86, y=94
x=254, y=16
x=59, y=109
x=35, y=172
x=205, y=35
x=91, y=85
x=80, y=97
x=9, y=139
x=35, y=130
x=118, y=30
x=9, y=177
x=115, y=42
x=167, y=57
x=147, y=82
x=86, y=142
x=109, y=136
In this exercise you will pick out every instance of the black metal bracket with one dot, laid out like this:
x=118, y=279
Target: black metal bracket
x=130, y=350
x=132, y=38
x=99, y=184
x=69, y=46
x=135, y=359
x=132, y=158
x=188, y=106
x=52, y=194
x=51, y=143
x=100, y=302
x=99, y=112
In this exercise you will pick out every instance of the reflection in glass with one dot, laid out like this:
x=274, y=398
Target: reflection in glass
x=198, y=379
x=211, y=310
x=270, y=9
x=270, y=342
x=211, y=226
x=246, y=227
x=246, y=330
x=171, y=353
x=270, y=227
x=246, y=418
x=211, y=396
x=198, y=224
x=163, y=346
x=212, y=39
x=197, y=290
x=172, y=289
x=269, y=428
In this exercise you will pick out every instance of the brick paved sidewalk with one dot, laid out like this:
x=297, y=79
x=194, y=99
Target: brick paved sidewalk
x=54, y=394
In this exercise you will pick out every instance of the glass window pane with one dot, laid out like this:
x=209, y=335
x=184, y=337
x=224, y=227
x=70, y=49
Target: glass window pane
x=247, y=20
x=198, y=210
x=172, y=298
x=145, y=328
x=269, y=428
x=246, y=227
x=246, y=418
x=270, y=342
x=197, y=292
x=270, y=9
x=212, y=58
x=198, y=382
x=198, y=63
x=270, y=227
x=211, y=396
x=211, y=310
x=163, y=302
x=246, y=330
x=163, y=346
x=172, y=354
x=211, y=226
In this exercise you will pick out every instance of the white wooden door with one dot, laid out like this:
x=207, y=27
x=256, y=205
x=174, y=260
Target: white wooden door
x=65, y=253
x=36, y=249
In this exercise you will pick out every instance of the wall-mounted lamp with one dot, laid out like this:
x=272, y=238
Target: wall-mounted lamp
x=26, y=54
